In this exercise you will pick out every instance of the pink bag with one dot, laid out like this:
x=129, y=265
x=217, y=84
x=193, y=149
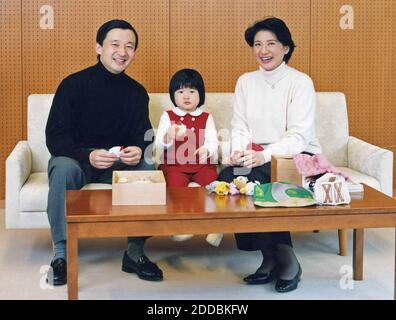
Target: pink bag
x=314, y=165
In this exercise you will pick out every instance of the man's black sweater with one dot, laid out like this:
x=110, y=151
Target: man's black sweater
x=94, y=109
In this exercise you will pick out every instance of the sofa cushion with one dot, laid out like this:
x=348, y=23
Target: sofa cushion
x=33, y=195
x=96, y=186
x=221, y=106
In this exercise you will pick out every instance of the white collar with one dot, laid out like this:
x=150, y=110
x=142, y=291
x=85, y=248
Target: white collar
x=197, y=112
x=274, y=76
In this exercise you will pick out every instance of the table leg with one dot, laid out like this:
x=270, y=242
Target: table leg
x=358, y=245
x=72, y=261
x=343, y=241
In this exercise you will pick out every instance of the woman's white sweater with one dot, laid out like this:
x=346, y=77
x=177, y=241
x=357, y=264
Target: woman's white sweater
x=275, y=109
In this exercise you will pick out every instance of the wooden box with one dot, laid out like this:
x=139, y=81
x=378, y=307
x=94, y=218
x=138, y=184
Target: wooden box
x=138, y=188
x=283, y=169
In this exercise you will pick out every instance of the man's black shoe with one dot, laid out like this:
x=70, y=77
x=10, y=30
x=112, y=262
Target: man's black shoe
x=57, y=275
x=144, y=268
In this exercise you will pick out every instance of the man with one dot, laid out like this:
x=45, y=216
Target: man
x=92, y=111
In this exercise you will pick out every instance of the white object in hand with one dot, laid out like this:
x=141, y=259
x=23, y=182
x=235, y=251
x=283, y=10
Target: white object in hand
x=116, y=151
x=182, y=129
x=181, y=237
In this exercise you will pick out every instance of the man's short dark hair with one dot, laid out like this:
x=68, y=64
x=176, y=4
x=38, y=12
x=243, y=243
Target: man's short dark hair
x=276, y=26
x=187, y=78
x=114, y=24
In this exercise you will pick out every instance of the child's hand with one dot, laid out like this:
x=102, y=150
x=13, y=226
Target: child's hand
x=170, y=134
x=203, y=155
x=175, y=132
x=180, y=131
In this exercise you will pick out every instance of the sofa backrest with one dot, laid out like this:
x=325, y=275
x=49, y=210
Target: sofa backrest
x=331, y=122
x=332, y=126
x=39, y=106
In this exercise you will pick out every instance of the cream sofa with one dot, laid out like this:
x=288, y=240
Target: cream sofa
x=26, y=166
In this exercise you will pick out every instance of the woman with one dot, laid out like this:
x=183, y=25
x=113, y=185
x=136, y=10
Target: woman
x=274, y=113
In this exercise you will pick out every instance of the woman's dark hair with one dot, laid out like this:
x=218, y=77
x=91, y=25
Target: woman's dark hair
x=276, y=26
x=114, y=24
x=187, y=78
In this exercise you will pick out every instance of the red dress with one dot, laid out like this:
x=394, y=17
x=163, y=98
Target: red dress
x=179, y=164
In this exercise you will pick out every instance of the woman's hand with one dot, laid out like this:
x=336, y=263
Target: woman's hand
x=251, y=159
x=235, y=158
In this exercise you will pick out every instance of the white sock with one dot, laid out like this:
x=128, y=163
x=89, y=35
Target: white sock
x=214, y=239
x=182, y=237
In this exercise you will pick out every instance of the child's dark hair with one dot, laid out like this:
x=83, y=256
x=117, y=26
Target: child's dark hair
x=114, y=24
x=187, y=78
x=278, y=27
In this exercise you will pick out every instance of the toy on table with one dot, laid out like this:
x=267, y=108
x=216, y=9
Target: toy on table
x=239, y=185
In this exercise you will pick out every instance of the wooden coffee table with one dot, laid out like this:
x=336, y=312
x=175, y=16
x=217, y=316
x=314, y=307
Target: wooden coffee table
x=89, y=214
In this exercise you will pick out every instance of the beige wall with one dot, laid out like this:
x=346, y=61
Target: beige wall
x=206, y=35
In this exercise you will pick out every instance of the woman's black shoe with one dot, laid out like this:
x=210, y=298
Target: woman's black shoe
x=144, y=268
x=288, y=285
x=260, y=278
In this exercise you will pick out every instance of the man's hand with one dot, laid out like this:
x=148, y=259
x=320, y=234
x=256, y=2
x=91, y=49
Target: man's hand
x=102, y=159
x=131, y=155
x=203, y=154
x=251, y=159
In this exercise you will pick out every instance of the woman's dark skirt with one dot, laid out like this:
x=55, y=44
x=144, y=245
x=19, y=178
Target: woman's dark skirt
x=257, y=240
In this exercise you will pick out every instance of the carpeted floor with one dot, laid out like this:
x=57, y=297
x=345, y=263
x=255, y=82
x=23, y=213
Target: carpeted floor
x=194, y=270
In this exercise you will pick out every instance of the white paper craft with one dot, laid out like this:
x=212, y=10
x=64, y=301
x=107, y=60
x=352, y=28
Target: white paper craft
x=116, y=151
x=331, y=189
x=355, y=187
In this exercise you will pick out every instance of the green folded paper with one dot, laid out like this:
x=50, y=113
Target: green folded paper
x=282, y=194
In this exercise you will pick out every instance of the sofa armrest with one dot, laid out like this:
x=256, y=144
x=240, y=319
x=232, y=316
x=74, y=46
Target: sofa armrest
x=373, y=161
x=19, y=164
x=18, y=168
